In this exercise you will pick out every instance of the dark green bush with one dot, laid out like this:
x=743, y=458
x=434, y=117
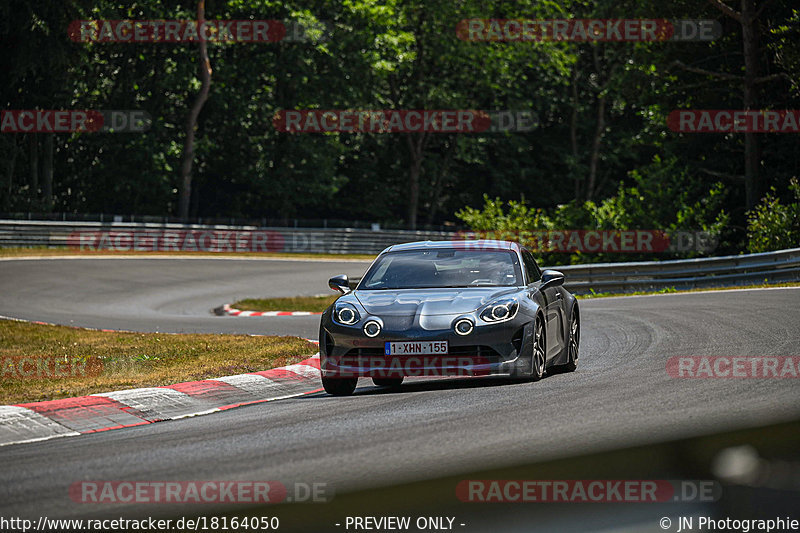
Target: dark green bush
x=773, y=225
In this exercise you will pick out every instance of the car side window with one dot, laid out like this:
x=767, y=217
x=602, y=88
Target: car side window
x=530, y=267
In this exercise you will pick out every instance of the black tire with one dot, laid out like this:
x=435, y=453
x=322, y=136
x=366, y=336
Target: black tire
x=539, y=350
x=573, y=345
x=388, y=382
x=339, y=386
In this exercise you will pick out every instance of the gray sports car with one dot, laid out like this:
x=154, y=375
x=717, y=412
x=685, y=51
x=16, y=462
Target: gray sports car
x=452, y=308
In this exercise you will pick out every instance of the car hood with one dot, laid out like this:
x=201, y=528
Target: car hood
x=411, y=302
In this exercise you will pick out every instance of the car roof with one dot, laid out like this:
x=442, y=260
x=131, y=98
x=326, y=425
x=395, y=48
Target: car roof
x=467, y=245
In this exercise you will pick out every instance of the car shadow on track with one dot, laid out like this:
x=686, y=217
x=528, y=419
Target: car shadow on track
x=423, y=385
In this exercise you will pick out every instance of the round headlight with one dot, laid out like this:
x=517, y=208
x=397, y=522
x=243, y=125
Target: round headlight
x=346, y=315
x=464, y=327
x=499, y=312
x=372, y=329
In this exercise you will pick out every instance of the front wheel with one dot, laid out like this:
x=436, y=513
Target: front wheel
x=573, y=344
x=538, y=354
x=339, y=386
x=574, y=341
x=388, y=382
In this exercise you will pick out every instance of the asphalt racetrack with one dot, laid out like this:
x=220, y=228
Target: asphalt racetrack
x=620, y=396
x=165, y=295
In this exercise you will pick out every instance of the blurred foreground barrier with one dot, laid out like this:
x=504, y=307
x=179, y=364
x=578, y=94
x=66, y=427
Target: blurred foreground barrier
x=734, y=270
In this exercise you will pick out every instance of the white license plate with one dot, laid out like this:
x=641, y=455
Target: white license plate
x=416, y=348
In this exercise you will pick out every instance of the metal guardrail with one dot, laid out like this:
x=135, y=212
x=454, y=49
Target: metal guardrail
x=124, y=236
x=680, y=274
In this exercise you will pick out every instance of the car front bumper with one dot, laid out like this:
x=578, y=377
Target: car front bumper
x=491, y=349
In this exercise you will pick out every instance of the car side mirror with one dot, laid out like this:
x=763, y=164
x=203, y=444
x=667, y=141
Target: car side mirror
x=340, y=283
x=552, y=278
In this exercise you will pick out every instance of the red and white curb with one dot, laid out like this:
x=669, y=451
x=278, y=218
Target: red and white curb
x=230, y=311
x=30, y=422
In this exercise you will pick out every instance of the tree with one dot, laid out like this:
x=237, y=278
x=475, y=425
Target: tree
x=191, y=120
x=748, y=19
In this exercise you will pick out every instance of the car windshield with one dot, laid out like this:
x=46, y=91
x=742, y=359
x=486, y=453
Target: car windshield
x=418, y=269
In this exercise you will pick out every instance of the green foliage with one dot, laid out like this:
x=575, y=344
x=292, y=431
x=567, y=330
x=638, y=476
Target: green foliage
x=663, y=195
x=600, y=157
x=519, y=217
x=773, y=225
x=648, y=202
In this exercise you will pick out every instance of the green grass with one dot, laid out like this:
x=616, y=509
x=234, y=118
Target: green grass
x=43, y=251
x=116, y=360
x=315, y=304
